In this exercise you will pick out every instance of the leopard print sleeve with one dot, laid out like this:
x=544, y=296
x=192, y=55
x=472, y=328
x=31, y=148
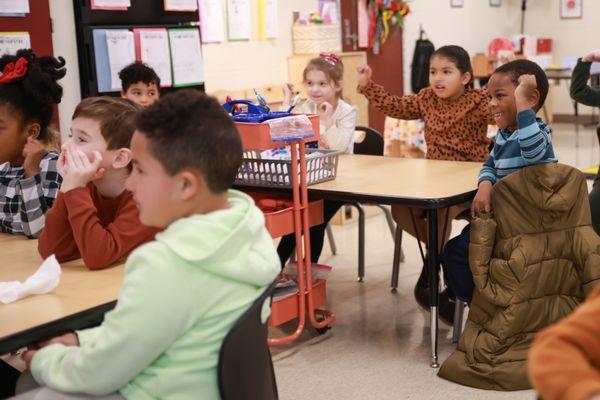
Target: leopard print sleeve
x=484, y=108
x=401, y=107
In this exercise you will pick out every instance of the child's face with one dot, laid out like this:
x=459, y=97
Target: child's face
x=142, y=93
x=86, y=136
x=319, y=88
x=154, y=191
x=13, y=136
x=502, y=103
x=445, y=78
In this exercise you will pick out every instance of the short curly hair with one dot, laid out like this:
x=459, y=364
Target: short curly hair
x=188, y=129
x=138, y=72
x=516, y=68
x=34, y=95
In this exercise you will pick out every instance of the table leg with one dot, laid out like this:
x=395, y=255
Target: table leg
x=434, y=280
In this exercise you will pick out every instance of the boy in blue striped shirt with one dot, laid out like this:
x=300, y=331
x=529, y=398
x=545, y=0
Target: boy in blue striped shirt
x=517, y=90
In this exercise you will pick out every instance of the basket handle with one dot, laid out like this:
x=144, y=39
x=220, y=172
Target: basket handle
x=252, y=108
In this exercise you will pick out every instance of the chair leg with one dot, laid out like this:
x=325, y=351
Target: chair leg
x=389, y=219
x=331, y=239
x=397, y=258
x=361, y=241
x=391, y=225
x=459, y=309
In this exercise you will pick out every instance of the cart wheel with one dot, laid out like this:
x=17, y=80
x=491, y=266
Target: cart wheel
x=323, y=330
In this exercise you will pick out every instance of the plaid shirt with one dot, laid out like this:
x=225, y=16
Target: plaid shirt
x=24, y=201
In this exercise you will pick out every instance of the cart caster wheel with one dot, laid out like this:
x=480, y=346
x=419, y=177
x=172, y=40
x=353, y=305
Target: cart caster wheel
x=323, y=330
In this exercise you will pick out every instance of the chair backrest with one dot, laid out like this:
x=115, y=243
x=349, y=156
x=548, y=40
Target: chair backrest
x=371, y=145
x=245, y=369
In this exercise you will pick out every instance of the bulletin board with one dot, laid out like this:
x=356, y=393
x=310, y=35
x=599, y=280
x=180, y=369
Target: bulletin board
x=141, y=14
x=37, y=22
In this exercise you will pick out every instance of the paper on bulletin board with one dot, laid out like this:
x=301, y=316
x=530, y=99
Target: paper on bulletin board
x=238, y=19
x=121, y=53
x=363, y=24
x=10, y=42
x=115, y=5
x=186, y=57
x=14, y=6
x=101, y=61
x=268, y=20
x=212, y=21
x=181, y=5
x=152, y=48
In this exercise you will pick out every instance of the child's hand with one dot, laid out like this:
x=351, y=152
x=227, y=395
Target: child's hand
x=325, y=111
x=593, y=56
x=482, y=200
x=68, y=339
x=27, y=356
x=365, y=73
x=80, y=170
x=526, y=94
x=33, y=152
x=288, y=93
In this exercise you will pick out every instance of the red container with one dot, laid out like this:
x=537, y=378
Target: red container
x=285, y=308
x=544, y=45
x=257, y=136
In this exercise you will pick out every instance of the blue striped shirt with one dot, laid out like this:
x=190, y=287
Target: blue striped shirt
x=530, y=144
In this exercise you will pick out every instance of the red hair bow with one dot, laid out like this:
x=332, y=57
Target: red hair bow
x=331, y=58
x=14, y=70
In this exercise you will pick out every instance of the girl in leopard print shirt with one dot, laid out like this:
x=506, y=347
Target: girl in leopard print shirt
x=456, y=118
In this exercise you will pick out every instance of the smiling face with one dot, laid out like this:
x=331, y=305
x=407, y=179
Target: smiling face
x=502, y=103
x=445, y=78
x=320, y=88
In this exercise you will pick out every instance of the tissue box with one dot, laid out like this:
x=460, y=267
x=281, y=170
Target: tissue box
x=311, y=39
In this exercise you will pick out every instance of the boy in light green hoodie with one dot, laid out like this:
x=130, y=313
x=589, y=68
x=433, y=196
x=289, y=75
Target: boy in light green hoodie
x=184, y=291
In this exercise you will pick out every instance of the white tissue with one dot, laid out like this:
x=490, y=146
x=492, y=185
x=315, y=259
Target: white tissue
x=44, y=280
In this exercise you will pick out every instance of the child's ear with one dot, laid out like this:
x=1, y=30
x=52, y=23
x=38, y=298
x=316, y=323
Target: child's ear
x=466, y=78
x=122, y=158
x=123, y=94
x=190, y=184
x=339, y=86
x=33, y=130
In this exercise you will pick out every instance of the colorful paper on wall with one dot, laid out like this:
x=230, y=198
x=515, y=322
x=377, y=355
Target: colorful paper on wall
x=212, y=21
x=114, y=5
x=121, y=52
x=151, y=46
x=238, y=19
x=14, y=7
x=363, y=24
x=10, y=42
x=101, y=61
x=186, y=57
x=181, y=5
x=268, y=23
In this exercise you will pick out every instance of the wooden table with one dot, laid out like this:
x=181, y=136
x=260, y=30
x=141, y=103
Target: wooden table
x=80, y=300
x=428, y=184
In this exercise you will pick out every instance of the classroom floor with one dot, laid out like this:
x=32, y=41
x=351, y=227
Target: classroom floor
x=379, y=345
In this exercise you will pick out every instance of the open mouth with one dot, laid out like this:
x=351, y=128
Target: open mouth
x=439, y=87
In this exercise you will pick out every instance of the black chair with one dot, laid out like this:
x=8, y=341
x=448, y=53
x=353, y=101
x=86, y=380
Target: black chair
x=372, y=145
x=245, y=370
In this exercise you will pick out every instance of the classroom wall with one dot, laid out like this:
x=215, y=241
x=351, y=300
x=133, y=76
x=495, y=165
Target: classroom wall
x=476, y=23
x=246, y=64
x=471, y=26
x=65, y=45
x=228, y=65
x=571, y=37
